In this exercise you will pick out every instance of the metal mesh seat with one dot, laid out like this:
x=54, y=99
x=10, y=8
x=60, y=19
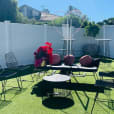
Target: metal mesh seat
x=12, y=63
x=4, y=76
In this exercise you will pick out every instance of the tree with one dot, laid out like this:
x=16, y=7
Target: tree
x=84, y=24
x=8, y=10
x=21, y=19
x=71, y=19
x=74, y=20
x=109, y=21
x=45, y=10
x=70, y=8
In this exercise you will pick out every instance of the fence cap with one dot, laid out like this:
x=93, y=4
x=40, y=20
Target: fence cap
x=103, y=39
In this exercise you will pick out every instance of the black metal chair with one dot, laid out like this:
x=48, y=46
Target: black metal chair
x=12, y=63
x=4, y=76
x=106, y=82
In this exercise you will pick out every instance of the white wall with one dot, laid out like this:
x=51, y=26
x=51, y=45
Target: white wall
x=2, y=44
x=24, y=39
x=54, y=35
x=110, y=35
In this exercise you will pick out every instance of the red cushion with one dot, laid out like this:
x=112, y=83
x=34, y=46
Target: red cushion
x=56, y=59
x=86, y=60
x=69, y=60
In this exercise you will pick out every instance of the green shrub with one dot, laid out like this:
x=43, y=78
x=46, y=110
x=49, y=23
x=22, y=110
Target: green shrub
x=92, y=29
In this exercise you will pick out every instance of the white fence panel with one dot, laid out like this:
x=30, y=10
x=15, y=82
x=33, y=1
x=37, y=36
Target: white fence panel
x=3, y=44
x=24, y=39
x=110, y=35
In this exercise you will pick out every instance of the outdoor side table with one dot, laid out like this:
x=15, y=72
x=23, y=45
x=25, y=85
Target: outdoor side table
x=57, y=79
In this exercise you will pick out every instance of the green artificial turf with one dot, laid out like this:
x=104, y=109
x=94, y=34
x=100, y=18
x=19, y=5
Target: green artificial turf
x=85, y=98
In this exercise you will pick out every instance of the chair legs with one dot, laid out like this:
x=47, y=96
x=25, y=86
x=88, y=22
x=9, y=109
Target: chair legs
x=19, y=82
x=95, y=75
x=32, y=78
x=37, y=76
x=3, y=89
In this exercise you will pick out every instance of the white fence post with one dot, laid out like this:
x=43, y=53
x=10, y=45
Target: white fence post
x=45, y=32
x=7, y=35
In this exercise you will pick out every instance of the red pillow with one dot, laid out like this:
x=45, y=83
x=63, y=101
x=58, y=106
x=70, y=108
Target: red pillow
x=69, y=60
x=86, y=60
x=56, y=59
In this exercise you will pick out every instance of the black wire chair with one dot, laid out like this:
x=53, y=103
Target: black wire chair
x=4, y=76
x=12, y=63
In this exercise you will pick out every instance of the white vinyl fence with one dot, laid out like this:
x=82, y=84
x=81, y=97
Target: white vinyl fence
x=24, y=39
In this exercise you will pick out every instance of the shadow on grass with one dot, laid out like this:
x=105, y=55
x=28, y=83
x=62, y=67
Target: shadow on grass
x=15, y=91
x=41, y=88
x=107, y=74
x=4, y=103
x=85, y=105
x=106, y=60
x=58, y=102
x=111, y=104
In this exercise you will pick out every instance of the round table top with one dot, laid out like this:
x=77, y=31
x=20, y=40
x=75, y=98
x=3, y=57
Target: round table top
x=56, y=78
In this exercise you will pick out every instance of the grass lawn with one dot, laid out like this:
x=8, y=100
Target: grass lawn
x=85, y=98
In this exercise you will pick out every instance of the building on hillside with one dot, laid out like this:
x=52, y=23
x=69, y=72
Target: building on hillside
x=75, y=12
x=30, y=12
x=48, y=17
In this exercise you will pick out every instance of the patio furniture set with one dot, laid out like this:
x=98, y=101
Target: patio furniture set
x=66, y=71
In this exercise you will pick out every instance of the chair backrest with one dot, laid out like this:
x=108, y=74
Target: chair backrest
x=11, y=61
x=1, y=69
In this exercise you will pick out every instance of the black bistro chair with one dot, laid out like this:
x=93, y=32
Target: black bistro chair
x=6, y=74
x=12, y=64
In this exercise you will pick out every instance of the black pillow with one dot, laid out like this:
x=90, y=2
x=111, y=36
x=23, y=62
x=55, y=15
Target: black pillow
x=95, y=62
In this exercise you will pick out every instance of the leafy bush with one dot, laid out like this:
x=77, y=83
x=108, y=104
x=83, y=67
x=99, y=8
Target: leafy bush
x=76, y=21
x=92, y=29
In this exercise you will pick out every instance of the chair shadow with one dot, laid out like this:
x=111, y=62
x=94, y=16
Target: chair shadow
x=108, y=73
x=85, y=106
x=14, y=91
x=40, y=89
x=105, y=60
x=4, y=103
x=111, y=104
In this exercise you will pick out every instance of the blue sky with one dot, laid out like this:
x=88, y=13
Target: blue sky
x=96, y=10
